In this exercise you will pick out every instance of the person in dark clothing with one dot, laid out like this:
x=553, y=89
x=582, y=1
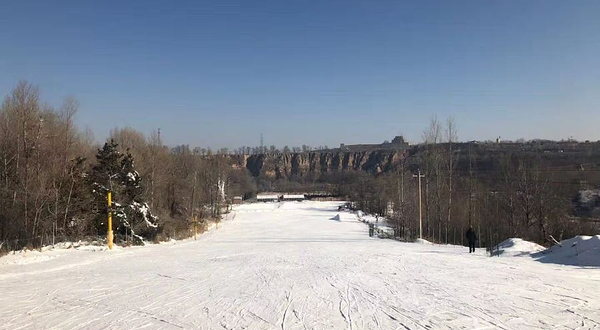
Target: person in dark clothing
x=371, y=229
x=471, y=238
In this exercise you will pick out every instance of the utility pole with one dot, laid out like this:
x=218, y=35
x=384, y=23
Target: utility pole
x=419, y=176
x=262, y=150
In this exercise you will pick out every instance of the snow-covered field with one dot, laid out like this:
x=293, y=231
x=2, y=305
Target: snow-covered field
x=289, y=266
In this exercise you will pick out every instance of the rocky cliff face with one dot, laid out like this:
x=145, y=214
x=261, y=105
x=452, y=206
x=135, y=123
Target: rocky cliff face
x=281, y=166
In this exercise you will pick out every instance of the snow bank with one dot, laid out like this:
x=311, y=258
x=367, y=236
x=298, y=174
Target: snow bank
x=95, y=248
x=576, y=251
x=515, y=247
x=422, y=241
x=24, y=257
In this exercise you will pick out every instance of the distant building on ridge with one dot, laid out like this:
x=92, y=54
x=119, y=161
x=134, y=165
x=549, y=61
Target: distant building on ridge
x=397, y=143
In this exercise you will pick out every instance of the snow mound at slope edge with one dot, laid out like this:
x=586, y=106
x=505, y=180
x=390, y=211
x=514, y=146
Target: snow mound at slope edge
x=422, y=241
x=516, y=247
x=576, y=251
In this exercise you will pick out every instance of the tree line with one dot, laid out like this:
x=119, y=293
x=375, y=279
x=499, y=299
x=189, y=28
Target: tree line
x=54, y=179
x=501, y=194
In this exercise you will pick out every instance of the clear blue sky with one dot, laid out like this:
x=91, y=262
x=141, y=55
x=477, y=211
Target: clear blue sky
x=217, y=73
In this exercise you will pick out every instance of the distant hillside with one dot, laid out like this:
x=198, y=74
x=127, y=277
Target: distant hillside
x=565, y=157
x=285, y=165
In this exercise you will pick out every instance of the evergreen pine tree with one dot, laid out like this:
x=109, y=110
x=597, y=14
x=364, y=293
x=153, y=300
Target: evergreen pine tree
x=131, y=214
x=103, y=177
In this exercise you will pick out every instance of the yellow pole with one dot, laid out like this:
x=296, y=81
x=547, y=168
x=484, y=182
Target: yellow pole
x=420, y=209
x=109, y=236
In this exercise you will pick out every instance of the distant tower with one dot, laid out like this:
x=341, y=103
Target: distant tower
x=262, y=145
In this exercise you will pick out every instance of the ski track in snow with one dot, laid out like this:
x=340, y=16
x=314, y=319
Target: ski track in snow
x=288, y=266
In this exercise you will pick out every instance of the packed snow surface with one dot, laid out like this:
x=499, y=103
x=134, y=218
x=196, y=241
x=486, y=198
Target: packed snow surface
x=517, y=247
x=288, y=266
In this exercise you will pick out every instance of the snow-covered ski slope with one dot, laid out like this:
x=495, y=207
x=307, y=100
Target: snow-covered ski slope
x=289, y=266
